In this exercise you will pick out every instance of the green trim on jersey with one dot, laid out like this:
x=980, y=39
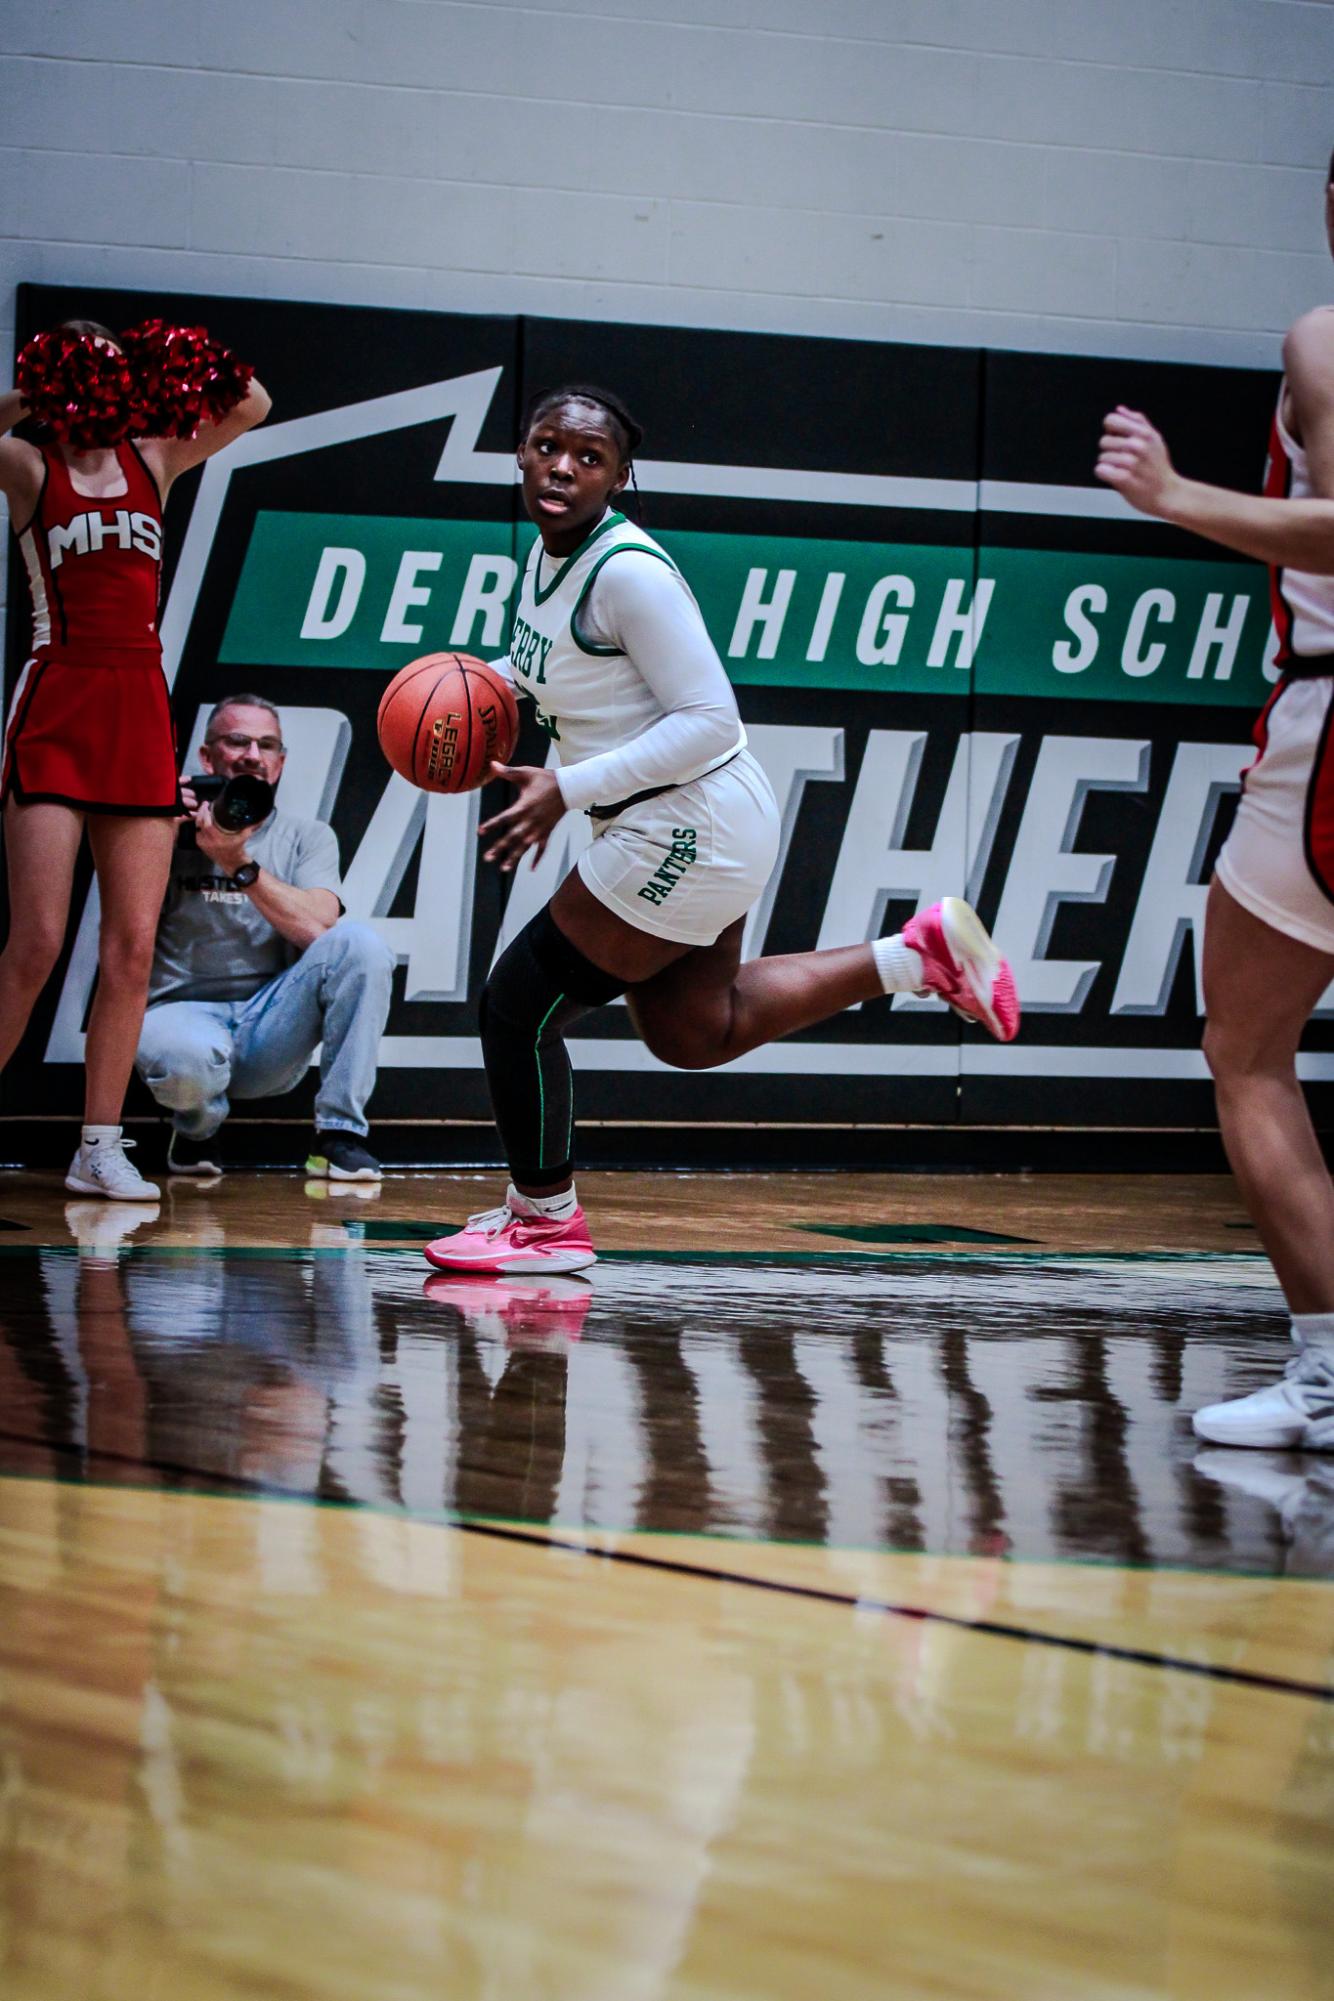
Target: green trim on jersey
x=540, y=595
x=591, y=645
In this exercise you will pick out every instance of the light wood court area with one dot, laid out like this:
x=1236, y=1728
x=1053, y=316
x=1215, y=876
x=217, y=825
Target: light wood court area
x=755, y=1214
x=824, y=1597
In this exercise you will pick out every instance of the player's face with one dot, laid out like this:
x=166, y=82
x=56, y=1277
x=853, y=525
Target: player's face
x=244, y=739
x=571, y=466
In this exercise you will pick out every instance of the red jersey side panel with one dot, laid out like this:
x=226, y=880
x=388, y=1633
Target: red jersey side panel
x=1318, y=831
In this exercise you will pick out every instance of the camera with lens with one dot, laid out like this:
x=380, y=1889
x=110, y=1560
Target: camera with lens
x=238, y=802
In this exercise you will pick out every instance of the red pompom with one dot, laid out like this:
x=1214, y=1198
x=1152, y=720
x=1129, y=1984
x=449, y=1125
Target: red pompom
x=80, y=388
x=182, y=378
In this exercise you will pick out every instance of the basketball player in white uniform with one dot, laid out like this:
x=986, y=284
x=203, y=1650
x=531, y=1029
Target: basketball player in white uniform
x=611, y=647
x=1269, y=933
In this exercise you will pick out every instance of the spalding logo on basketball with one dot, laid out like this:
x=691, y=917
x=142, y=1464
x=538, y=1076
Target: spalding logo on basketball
x=445, y=719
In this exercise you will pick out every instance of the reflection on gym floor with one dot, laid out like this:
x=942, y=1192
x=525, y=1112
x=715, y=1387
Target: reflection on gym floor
x=1030, y=1410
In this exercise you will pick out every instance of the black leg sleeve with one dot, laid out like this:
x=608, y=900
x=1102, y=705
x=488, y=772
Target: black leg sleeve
x=537, y=989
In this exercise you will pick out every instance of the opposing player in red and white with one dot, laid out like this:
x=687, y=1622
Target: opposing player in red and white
x=1269, y=931
x=610, y=645
x=89, y=740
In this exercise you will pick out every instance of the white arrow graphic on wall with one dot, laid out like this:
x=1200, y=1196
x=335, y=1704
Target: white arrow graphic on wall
x=467, y=399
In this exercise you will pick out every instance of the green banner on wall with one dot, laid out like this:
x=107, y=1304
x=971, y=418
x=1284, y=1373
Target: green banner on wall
x=372, y=591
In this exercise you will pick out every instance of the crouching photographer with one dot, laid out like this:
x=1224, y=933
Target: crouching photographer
x=255, y=964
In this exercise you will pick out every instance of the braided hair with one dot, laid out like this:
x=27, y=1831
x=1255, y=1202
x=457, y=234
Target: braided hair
x=627, y=431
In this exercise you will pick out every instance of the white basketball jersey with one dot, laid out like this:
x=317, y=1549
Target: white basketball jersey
x=1303, y=604
x=590, y=697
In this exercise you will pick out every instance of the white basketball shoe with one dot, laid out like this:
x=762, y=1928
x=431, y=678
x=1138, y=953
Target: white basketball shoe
x=1294, y=1415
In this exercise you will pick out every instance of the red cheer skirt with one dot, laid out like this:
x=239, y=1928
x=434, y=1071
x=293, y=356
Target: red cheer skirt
x=95, y=736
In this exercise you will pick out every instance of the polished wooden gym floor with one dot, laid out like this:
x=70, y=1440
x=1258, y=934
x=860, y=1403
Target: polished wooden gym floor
x=827, y=1598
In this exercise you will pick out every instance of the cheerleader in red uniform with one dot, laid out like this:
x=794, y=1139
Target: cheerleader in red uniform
x=89, y=737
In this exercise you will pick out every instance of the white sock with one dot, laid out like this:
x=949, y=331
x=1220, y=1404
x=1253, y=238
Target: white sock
x=900, y=968
x=99, y=1135
x=554, y=1208
x=1313, y=1330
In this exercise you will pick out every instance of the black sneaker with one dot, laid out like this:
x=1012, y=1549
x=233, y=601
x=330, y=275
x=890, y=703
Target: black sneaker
x=342, y=1157
x=201, y=1158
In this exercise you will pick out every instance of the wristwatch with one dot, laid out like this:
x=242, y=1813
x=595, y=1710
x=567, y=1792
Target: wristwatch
x=246, y=876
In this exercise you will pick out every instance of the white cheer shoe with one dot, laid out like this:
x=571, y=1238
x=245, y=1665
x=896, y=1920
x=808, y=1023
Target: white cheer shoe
x=101, y=1168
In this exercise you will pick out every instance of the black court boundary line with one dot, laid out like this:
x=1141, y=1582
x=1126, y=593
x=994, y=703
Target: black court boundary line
x=993, y=1628
x=225, y=1485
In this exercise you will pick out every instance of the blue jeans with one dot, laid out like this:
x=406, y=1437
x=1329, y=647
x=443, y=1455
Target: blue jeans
x=196, y=1055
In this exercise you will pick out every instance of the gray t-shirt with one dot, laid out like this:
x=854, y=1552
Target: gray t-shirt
x=212, y=943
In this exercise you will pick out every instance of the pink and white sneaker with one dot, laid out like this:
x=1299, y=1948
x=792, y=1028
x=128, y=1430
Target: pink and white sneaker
x=963, y=967
x=514, y=1238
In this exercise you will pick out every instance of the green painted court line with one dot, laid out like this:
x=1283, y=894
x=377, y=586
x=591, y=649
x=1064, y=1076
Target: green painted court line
x=869, y=1260
x=377, y=1232
x=857, y=1259
x=848, y=1260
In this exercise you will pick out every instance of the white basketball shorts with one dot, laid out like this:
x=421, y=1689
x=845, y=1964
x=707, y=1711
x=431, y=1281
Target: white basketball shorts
x=688, y=863
x=1278, y=860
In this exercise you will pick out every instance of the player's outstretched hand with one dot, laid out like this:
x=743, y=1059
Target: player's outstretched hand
x=1133, y=458
x=529, y=821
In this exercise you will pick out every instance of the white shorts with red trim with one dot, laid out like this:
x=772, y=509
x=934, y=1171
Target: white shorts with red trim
x=1278, y=861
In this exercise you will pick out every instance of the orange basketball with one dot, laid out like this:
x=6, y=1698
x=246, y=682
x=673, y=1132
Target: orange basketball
x=444, y=718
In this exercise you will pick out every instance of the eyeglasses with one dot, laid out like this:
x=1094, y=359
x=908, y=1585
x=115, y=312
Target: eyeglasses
x=238, y=740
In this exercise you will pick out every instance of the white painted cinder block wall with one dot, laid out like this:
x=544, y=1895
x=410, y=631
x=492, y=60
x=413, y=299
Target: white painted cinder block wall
x=1110, y=176
x=1118, y=175
x=1115, y=176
